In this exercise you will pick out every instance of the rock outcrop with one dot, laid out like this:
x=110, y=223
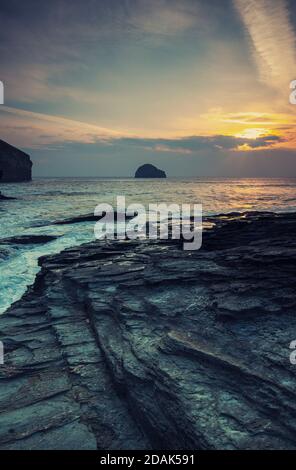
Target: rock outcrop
x=149, y=171
x=5, y=198
x=28, y=239
x=15, y=165
x=139, y=345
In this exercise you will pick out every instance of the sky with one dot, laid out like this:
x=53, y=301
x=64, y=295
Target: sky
x=196, y=87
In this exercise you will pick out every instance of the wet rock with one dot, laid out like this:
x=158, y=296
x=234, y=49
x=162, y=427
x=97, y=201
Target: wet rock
x=84, y=218
x=77, y=220
x=6, y=198
x=139, y=344
x=71, y=220
x=28, y=239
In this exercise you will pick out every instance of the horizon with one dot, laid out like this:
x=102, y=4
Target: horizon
x=168, y=177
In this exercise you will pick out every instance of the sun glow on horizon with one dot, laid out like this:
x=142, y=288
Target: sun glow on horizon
x=253, y=133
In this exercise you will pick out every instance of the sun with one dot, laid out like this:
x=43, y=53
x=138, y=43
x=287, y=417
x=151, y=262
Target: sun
x=253, y=133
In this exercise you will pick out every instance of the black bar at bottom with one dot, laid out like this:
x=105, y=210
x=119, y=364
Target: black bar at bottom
x=137, y=459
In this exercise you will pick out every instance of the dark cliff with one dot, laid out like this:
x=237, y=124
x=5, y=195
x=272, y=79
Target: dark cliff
x=15, y=165
x=149, y=171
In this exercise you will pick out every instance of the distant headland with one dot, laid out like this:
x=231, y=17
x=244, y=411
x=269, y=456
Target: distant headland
x=149, y=171
x=15, y=165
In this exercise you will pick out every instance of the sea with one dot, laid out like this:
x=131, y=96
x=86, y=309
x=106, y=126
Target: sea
x=43, y=201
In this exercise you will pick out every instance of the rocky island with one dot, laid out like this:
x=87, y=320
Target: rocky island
x=141, y=345
x=149, y=171
x=15, y=165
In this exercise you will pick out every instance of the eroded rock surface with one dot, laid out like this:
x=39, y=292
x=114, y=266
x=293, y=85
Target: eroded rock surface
x=141, y=345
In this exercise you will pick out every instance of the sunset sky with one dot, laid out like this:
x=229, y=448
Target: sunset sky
x=197, y=87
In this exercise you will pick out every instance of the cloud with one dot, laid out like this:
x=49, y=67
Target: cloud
x=193, y=144
x=122, y=159
x=273, y=39
x=162, y=17
x=36, y=130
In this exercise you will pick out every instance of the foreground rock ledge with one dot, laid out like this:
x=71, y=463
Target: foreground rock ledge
x=138, y=345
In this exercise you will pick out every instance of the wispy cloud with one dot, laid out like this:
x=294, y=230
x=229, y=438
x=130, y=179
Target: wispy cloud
x=35, y=130
x=273, y=39
x=161, y=17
